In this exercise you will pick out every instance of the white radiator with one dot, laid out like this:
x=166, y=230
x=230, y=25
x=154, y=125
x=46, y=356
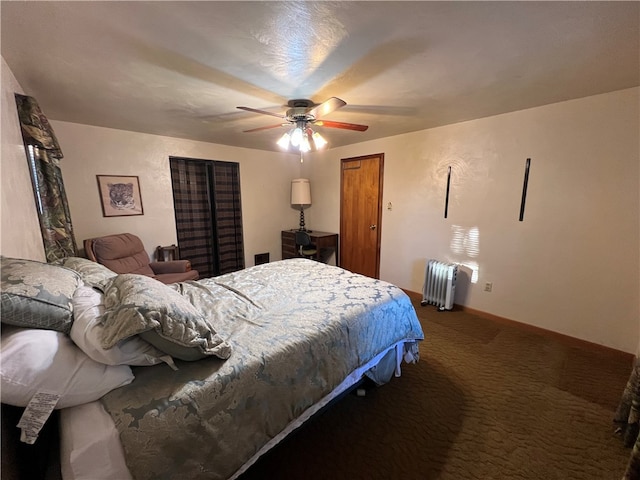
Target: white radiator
x=440, y=284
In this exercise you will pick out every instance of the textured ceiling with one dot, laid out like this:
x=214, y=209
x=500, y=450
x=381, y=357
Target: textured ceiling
x=180, y=69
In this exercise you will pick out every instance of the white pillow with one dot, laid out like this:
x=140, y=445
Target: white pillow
x=35, y=360
x=86, y=332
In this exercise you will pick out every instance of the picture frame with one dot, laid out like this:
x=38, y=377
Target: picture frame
x=120, y=195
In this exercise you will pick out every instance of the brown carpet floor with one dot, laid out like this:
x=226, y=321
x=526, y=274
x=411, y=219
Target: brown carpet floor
x=486, y=401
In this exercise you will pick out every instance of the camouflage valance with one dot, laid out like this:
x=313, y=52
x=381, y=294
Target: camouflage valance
x=36, y=129
x=43, y=155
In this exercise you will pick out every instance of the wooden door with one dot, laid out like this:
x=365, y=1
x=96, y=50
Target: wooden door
x=361, y=214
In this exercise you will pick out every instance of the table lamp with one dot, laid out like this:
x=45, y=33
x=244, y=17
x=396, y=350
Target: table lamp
x=301, y=197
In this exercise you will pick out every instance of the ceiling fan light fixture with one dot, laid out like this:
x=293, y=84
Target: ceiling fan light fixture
x=284, y=141
x=305, y=145
x=319, y=141
x=304, y=140
x=296, y=137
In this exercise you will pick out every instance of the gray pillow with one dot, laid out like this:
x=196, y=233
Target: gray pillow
x=37, y=295
x=92, y=273
x=138, y=304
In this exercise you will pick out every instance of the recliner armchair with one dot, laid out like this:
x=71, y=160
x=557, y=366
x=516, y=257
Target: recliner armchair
x=125, y=253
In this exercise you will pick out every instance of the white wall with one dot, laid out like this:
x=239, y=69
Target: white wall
x=570, y=267
x=20, y=229
x=89, y=151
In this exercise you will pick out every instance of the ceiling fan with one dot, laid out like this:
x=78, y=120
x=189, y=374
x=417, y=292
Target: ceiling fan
x=303, y=113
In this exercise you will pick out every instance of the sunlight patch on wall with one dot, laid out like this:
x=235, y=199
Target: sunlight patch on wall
x=465, y=244
x=465, y=241
x=474, y=267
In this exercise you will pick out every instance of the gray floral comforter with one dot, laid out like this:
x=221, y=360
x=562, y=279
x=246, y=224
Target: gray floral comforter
x=297, y=329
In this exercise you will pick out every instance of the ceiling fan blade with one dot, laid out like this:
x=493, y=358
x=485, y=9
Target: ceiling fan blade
x=265, y=128
x=327, y=107
x=345, y=126
x=264, y=112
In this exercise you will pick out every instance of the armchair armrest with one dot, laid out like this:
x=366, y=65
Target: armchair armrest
x=172, y=266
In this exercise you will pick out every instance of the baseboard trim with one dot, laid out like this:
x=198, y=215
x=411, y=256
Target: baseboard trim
x=561, y=337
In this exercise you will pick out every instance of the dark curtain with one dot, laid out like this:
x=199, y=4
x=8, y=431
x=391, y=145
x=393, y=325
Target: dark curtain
x=228, y=216
x=194, y=224
x=44, y=154
x=628, y=417
x=206, y=197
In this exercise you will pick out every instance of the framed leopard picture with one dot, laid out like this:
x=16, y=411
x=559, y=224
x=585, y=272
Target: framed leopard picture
x=120, y=195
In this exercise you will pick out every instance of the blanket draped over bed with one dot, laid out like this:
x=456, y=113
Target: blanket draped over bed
x=298, y=328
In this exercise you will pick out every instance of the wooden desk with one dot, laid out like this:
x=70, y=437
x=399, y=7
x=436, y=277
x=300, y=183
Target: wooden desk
x=325, y=242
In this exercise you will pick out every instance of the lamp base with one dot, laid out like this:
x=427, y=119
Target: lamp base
x=302, y=229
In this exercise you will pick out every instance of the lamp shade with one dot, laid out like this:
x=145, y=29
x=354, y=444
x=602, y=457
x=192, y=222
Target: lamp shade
x=300, y=191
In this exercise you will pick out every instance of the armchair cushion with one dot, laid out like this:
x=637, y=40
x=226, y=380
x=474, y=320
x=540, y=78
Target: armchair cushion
x=125, y=253
x=173, y=266
x=177, y=277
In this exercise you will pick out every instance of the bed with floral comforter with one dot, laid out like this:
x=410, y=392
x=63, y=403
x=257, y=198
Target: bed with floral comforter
x=300, y=333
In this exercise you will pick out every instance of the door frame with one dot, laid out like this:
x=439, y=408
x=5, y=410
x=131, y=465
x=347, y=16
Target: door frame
x=380, y=157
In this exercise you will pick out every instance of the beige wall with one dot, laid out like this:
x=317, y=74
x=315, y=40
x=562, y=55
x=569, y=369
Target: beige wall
x=89, y=151
x=20, y=231
x=570, y=267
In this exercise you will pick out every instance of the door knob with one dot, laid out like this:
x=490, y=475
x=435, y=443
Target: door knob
x=372, y=227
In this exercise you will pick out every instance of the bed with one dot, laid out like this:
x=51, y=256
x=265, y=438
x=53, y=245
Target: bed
x=288, y=337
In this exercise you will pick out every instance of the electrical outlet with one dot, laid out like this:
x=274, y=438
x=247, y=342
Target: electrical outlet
x=488, y=287
x=389, y=206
